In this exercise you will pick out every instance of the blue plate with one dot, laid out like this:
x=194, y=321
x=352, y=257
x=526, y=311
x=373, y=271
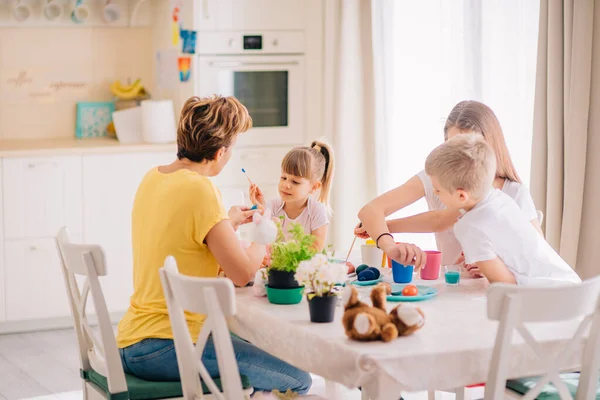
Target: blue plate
x=368, y=283
x=425, y=292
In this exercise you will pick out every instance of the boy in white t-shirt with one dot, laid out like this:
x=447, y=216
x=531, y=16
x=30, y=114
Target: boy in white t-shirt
x=495, y=234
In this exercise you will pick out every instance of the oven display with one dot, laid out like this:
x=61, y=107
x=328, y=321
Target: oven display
x=253, y=42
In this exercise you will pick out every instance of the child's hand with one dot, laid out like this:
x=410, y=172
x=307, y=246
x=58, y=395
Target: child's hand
x=472, y=269
x=406, y=254
x=360, y=231
x=256, y=195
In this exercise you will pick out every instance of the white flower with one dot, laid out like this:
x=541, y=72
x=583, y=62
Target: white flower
x=320, y=275
x=305, y=272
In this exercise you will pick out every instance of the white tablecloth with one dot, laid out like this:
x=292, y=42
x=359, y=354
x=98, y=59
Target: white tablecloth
x=453, y=349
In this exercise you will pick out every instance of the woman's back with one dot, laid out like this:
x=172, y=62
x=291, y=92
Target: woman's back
x=172, y=214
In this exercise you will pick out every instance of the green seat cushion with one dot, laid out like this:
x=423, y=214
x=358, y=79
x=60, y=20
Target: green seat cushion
x=140, y=389
x=549, y=392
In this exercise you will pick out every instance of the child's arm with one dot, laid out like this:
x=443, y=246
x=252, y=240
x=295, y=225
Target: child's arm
x=320, y=234
x=496, y=271
x=479, y=251
x=430, y=221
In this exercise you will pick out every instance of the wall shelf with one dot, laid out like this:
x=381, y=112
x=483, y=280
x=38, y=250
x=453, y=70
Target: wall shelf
x=132, y=13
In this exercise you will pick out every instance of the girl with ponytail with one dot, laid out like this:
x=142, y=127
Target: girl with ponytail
x=305, y=171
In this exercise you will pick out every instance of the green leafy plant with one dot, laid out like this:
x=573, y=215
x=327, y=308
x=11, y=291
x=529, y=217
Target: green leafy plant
x=286, y=255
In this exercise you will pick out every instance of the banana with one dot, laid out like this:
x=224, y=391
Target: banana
x=129, y=88
x=127, y=92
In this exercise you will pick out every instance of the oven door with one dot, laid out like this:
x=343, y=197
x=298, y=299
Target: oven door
x=271, y=87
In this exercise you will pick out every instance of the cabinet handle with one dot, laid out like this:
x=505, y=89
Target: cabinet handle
x=226, y=64
x=39, y=164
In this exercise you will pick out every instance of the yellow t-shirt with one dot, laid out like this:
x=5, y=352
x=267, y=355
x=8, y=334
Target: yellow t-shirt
x=172, y=214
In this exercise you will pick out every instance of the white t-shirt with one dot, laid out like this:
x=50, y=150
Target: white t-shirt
x=497, y=227
x=446, y=241
x=311, y=218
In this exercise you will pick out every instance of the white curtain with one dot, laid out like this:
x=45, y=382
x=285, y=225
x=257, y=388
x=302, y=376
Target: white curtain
x=441, y=52
x=565, y=165
x=350, y=94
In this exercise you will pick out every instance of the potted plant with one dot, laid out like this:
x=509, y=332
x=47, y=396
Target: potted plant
x=319, y=276
x=286, y=255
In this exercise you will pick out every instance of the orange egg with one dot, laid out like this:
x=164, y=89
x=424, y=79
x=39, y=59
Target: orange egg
x=410, y=290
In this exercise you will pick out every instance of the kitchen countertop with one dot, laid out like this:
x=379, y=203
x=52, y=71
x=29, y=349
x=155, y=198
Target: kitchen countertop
x=73, y=146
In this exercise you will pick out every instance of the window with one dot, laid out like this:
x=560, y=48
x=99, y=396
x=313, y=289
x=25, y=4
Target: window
x=443, y=52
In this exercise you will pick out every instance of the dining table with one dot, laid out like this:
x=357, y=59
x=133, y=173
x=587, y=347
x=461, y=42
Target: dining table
x=452, y=349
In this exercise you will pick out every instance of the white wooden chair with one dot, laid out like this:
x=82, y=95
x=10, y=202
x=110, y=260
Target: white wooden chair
x=540, y=216
x=214, y=298
x=101, y=369
x=513, y=306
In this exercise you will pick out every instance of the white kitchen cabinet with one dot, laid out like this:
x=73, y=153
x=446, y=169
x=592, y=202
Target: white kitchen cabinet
x=219, y=15
x=109, y=186
x=41, y=195
x=35, y=288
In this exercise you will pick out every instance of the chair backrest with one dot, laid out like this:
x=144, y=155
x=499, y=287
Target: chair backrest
x=100, y=354
x=513, y=306
x=214, y=298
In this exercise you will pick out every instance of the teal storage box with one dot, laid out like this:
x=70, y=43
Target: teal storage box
x=93, y=118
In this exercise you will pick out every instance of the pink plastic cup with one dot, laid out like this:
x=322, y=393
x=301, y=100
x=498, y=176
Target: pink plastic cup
x=431, y=271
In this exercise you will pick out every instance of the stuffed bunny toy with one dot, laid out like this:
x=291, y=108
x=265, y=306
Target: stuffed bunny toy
x=265, y=230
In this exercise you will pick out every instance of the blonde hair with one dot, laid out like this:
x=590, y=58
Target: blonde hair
x=315, y=163
x=471, y=116
x=209, y=124
x=464, y=162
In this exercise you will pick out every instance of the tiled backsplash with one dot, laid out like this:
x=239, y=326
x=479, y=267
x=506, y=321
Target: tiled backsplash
x=45, y=71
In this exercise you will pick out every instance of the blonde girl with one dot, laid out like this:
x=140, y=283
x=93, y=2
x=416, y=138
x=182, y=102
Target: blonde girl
x=466, y=117
x=305, y=171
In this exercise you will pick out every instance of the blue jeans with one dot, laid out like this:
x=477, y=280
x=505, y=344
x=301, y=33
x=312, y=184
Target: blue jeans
x=155, y=360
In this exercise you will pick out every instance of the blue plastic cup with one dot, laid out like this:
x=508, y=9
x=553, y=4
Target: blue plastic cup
x=401, y=273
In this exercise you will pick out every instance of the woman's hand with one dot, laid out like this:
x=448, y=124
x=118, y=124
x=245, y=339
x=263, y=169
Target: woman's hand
x=405, y=254
x=361, y=232
x=256, y=195
x=240, y=215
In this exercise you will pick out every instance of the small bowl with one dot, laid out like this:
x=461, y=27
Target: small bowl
x=284, y=296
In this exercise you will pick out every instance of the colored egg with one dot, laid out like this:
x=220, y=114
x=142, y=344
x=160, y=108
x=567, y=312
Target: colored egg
x=361, y=268
x=366, y=275
x=375, y=271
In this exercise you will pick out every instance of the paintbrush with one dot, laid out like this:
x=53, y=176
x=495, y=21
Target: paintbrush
x=247, y=177
x=351, y=247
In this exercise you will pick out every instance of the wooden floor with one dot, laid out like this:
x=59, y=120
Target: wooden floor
x=45, y=365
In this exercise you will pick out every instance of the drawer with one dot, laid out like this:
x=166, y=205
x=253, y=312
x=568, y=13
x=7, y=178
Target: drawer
x=41, y=195
x=35, y=287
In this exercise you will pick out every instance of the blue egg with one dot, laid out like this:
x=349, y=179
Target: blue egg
x=366, y=275
x=375, y=271
x=361, y=268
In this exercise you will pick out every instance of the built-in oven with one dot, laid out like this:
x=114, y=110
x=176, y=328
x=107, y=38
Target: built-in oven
x=266, y=73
